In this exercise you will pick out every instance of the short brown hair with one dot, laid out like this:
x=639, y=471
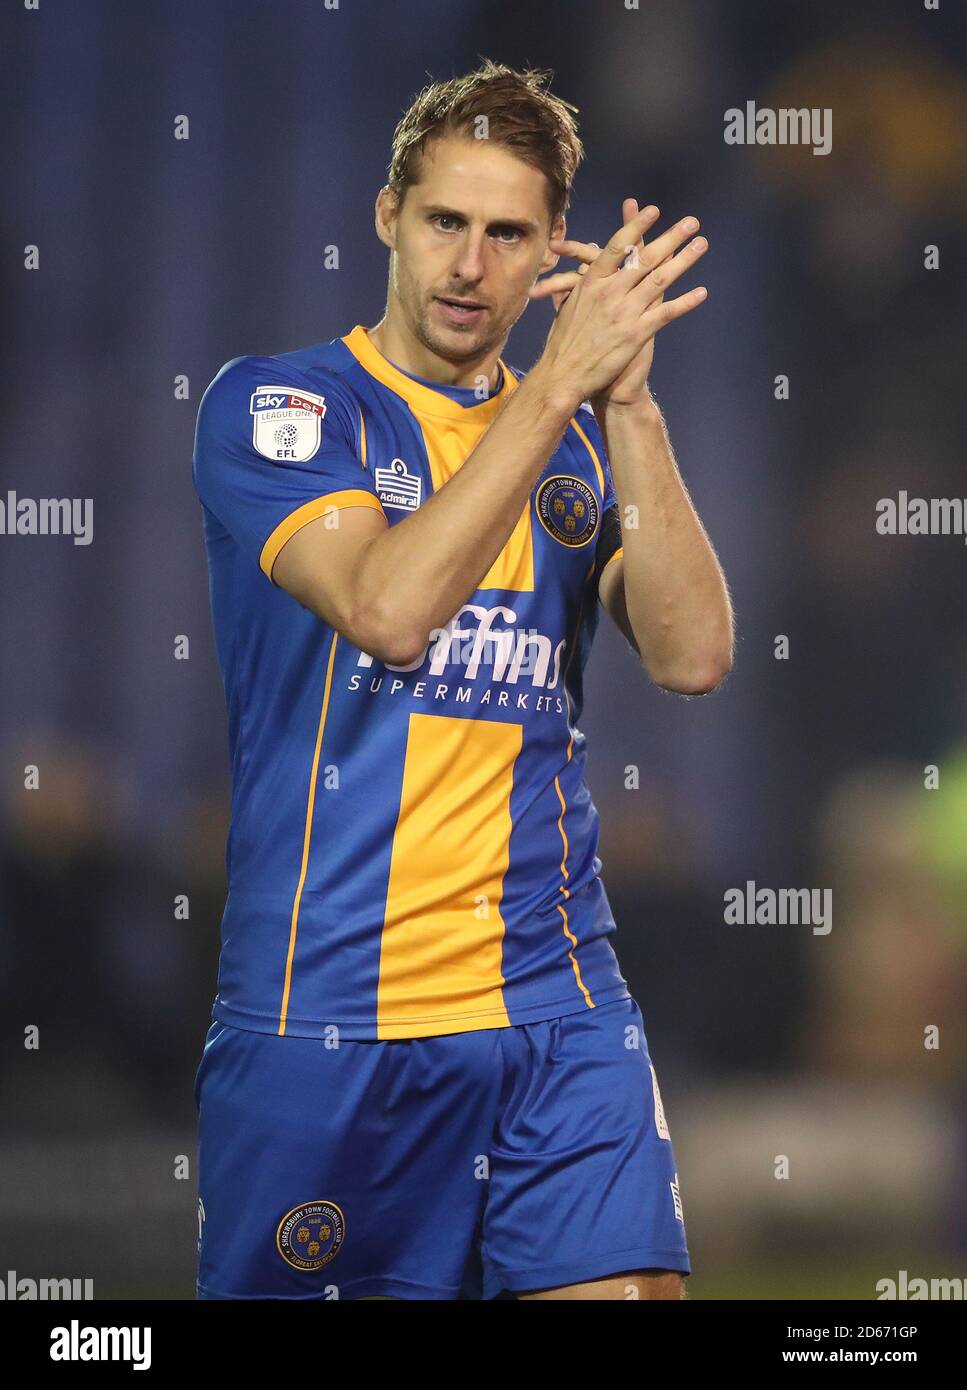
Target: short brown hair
x=521, y=114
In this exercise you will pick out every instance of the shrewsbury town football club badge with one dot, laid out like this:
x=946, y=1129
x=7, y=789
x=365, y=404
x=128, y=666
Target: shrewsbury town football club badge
x=310, y=1236
x=287, y=424
x=568, y=509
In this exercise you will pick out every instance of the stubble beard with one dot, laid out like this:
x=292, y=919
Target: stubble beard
x=451, y=347
x=454, y=346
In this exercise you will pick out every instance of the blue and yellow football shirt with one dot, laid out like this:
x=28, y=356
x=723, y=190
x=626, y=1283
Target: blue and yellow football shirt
x=412, y=851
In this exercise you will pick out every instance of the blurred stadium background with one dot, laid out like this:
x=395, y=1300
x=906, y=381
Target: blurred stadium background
x=162, y=257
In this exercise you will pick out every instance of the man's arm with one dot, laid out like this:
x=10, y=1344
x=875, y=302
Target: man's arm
x=665, y=591
x=611, y=592
x=389, y=588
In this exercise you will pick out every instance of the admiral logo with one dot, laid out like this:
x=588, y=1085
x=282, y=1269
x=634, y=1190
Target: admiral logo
x=287, y=424
x=397, y=487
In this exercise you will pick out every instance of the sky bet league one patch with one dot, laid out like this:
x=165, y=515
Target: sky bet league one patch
x=287, y=424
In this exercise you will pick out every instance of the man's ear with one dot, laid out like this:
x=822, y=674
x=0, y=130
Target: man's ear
x=558, y=229
x=387, y=207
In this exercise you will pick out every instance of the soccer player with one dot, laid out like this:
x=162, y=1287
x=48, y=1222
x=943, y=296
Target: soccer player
x=425, y=1076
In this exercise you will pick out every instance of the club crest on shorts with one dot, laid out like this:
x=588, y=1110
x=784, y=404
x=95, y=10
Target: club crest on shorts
x=309, y=1236
x=568, y=509
x=286, y=424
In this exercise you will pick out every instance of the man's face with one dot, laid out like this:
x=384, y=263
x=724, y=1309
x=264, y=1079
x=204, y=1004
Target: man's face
x=474, y=228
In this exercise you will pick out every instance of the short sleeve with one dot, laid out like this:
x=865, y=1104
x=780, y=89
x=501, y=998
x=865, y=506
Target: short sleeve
x=609, y=543
x=271, y=454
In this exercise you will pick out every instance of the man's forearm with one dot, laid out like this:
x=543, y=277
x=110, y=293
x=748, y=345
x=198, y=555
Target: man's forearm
x=676, y=596
x=418, y=573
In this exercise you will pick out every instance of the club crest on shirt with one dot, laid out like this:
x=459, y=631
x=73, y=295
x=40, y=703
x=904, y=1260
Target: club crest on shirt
x=310, y=1235
x=286, y=424
x=568, y=509
x=396, y=486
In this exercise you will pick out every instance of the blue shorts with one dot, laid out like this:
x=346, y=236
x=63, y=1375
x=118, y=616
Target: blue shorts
x=456, y=1166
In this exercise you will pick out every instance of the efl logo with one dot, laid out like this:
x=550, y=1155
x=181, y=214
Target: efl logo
x=287, y=424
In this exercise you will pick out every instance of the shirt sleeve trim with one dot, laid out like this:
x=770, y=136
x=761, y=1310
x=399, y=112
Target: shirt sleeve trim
x=614, y=556
x=310, y=511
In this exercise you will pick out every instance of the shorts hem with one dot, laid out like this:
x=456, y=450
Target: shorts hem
x=580, y=1271
x=360, y=1288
